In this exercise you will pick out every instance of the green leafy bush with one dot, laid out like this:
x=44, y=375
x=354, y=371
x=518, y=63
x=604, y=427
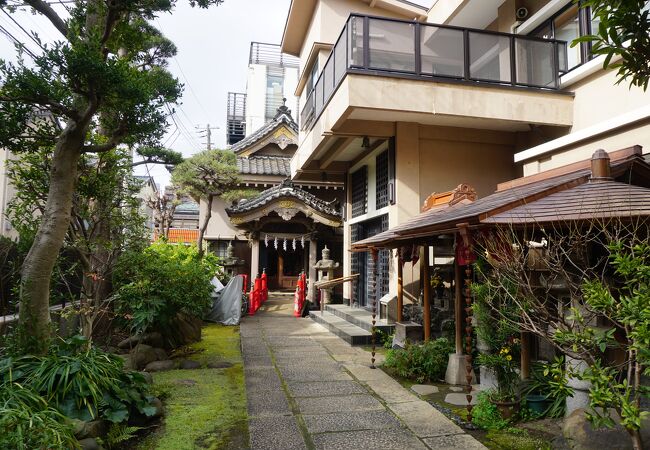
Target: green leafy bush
x=423, y=362
x=81, y=381
x=27, y=422
x=485, y=413
x=152, y=286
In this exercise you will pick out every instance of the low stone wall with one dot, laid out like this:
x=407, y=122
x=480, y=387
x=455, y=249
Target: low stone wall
x=65, y=327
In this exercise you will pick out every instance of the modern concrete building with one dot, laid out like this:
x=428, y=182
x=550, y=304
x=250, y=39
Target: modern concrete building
x=400, y=102
x=271, y=82
x=7, y=192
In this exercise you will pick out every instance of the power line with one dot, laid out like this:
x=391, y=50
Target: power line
x=187, y=81
x=15, y=40
x=31, y=36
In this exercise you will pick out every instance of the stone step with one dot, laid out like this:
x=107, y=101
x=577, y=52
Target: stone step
x=350, y=333
x=360, y=317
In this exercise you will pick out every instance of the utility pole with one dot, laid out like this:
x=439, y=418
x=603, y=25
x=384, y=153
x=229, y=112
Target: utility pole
x=208, y=134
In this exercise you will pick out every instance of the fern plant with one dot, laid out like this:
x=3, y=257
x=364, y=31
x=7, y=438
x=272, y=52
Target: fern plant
x=119, y=433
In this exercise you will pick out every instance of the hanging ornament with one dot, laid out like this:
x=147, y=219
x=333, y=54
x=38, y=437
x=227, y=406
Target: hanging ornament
x=266, y=240
x=293, y=244
x=284, y=245
x=275, y=242
x=302, y=241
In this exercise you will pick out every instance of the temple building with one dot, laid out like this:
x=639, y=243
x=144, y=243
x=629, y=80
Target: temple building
x=284, y=228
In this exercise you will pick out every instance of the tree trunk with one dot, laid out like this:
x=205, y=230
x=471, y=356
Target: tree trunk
x=204, y=226
x=34, y=315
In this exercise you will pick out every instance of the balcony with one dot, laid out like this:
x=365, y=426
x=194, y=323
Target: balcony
x=421, y=51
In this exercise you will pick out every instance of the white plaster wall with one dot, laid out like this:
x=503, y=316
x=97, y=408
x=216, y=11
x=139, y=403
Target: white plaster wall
x=255, y=97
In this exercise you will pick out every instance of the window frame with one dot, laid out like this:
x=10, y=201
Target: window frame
x=584, y=29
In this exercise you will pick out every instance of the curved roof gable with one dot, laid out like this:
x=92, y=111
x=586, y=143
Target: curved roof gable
x=286, y=200
x=281, y=130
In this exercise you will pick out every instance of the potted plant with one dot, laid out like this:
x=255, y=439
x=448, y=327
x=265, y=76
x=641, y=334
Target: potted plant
x=503, y=363
x=548, y=389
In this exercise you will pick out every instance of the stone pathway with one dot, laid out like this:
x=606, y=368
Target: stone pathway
x=308, y=389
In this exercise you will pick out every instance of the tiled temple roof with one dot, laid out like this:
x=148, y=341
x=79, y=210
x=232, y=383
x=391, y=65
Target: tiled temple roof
x=265, y=165
x=286, y=189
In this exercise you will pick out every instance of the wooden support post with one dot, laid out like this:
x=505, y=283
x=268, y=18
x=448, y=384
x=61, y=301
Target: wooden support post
x=525, y=355
x=375, y=299
x=458, y=307
x=400, y=286
x=426, y=306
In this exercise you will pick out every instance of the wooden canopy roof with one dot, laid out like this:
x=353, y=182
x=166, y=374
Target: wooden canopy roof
x=520, y=201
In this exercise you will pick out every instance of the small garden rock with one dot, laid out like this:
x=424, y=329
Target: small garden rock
x=128, y=361
x=189, y=364
x=160, y=366
x=147, y=377
x=142, y=355
x=185, y=382
x=219, y=365
x=93, y=429
x=154, y=339
x=160, y=411
x=580, y=434
x=160, y=353
x=89, y=444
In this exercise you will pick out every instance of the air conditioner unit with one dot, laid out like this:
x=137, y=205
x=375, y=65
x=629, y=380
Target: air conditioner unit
x=522, y=13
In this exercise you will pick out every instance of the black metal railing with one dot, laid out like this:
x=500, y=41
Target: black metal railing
x=407, y=49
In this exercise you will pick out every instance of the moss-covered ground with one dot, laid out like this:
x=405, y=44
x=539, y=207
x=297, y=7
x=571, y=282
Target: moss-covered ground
x=205, y=408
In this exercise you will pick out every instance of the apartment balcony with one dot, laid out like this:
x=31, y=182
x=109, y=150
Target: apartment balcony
x=390, y=70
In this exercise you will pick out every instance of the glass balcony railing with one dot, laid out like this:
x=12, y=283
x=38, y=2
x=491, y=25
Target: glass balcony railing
x=396, y=48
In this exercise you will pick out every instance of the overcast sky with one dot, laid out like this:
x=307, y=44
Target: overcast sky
x=212, y=60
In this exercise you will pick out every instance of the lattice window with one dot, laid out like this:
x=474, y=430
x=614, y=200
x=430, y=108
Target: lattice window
x=383, y=260
x=382, y=179
x=359, y=181
x=355, y=264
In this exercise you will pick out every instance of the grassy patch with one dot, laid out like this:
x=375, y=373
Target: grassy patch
x=510, y=440
x=211, y=413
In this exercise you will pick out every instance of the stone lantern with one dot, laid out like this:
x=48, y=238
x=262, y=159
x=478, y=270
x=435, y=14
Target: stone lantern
x=325, y=268
x=231, y=262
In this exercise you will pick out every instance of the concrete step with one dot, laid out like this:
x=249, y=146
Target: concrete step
x=350, y=333
x=360, y=317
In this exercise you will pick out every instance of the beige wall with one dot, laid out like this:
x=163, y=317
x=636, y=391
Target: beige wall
x=219, y=226
x=598, y=98
x=599, y=101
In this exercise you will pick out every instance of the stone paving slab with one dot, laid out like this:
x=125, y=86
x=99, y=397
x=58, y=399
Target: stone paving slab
x=267, y=403
x=424, y=389
x=391, y=391
x=314, y=375
x=323, y=405
x=275, y=433
x=325, y=388
x=351, y=421
x=307, y=389
x=395, y=439
x=424, y=420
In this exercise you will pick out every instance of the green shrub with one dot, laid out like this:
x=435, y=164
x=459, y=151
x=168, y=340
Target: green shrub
x=423, y=362
x=552, y=381
x=81, y=381
x=27, y=422
x=152, y=286
x=486, y=415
